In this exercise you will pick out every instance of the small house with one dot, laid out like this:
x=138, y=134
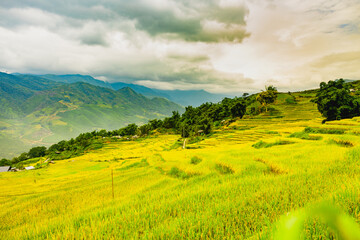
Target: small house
x=5, y=169
x=29, y=168
x=118, y=137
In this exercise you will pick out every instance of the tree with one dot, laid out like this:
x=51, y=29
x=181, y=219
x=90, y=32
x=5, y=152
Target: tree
x=173, y=121
x=37, y=152
x=129, y=130
x=271, y=88
x=155, y=123
x=335, y=102
x=5, y=162
x=206, y=125
x=185, y=130
x=267, y=97
x=226, y=105
x=238, y=109
x=145, y=129
x=22, y=157
x=102, y=133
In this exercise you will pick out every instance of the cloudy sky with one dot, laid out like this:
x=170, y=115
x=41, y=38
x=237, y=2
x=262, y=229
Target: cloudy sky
x=216, y=45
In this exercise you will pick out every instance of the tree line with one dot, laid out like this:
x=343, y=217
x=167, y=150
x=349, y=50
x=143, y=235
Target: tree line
x=194, y=121
x=335, y=101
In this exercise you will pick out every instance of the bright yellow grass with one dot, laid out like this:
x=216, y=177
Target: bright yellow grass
x=73, y=198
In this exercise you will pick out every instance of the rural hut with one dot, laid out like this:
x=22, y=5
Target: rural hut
x=5, y=168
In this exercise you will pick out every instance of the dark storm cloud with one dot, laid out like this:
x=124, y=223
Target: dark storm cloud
x=204, y=21
x=163, y=42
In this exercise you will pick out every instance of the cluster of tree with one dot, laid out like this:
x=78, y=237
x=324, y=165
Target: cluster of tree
x=334, y=101
x=90, y=140
x=73, y=147
x=33, y=153
x=267, y=97
x=5, y=162
x=199, y=120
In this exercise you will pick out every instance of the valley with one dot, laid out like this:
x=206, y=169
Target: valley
x=39, y=111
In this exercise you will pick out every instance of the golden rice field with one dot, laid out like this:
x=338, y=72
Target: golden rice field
x=220, y=188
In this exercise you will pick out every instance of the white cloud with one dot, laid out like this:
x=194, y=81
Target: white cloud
x=218, y=45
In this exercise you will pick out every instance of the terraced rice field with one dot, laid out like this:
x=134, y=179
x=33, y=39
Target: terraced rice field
x=220, y=188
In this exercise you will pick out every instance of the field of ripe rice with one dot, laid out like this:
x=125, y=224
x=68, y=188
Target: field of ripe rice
x=235, y=184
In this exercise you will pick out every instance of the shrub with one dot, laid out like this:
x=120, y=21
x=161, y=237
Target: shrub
x=290, y=101
x=272, y=168
x=342, y=143
x=195, y=140
x=324, y=130
x=224, y=169
x=195, y=160
x=262, y=144
x=304, y=135
x=272, y=132
x=178, y=173
x=95, y=145
x=142, y=163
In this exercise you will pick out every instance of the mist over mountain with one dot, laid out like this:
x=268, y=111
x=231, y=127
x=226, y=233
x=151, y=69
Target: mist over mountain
x=182, y=97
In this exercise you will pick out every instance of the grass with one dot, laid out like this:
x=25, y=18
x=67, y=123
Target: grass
x=324, y=130
x=142, y=163
x=304, y=135
x=272, y=168
x=262, y=144
x=235, y=192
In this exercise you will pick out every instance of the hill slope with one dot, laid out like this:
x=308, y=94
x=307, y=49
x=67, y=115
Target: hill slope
x=236, y=184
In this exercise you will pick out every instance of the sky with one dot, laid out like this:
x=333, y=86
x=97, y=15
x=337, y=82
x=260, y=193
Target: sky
x=221, y=46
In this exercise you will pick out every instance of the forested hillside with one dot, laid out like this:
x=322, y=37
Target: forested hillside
x=37, y=111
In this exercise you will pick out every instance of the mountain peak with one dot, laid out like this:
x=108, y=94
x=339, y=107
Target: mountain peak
x=128, y=90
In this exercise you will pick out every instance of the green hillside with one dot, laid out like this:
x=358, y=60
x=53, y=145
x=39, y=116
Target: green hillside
x=38, y=111
x=255, y=178
x=14, y=90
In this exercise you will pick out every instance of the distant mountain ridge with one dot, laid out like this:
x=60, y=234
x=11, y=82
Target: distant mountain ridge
x=182, y=97
x=74, y=78
x=36, y=110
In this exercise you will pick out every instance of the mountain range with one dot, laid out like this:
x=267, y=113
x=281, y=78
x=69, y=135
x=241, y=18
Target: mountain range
x=183, y=97
x=41, y=110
